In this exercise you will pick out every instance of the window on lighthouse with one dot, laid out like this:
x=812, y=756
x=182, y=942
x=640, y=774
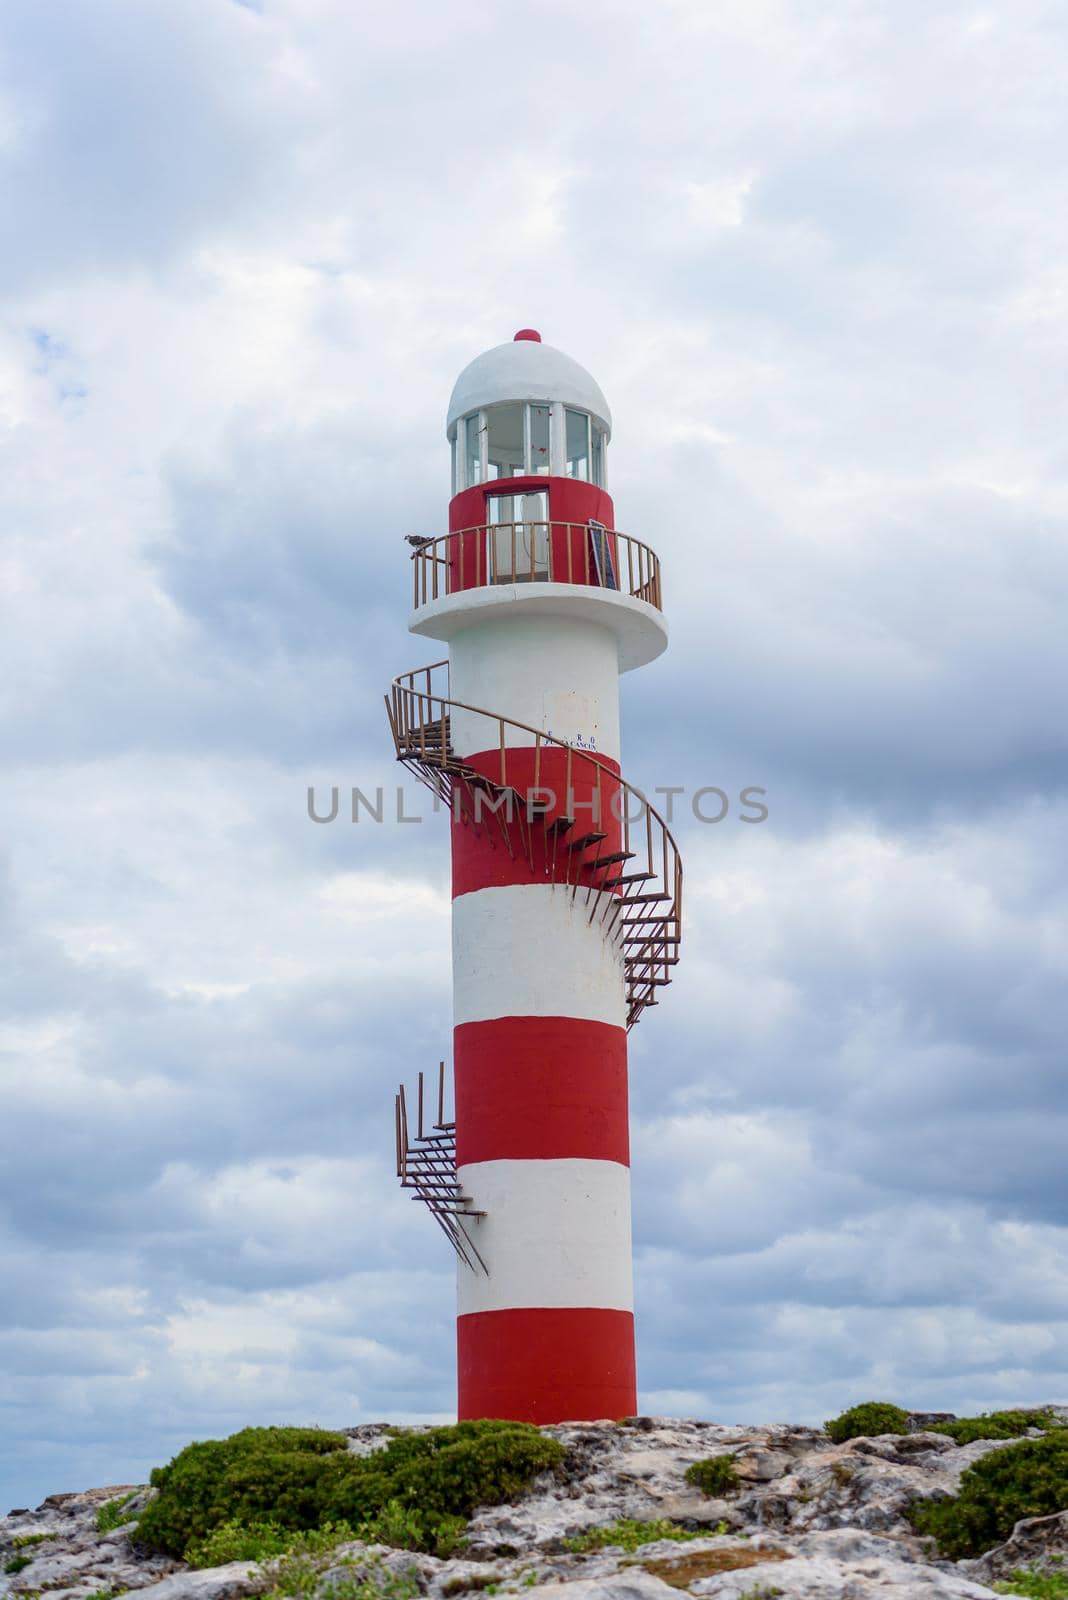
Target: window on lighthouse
x=539, y=439
x=598, y=457
x=472, y=450
x=516, y=439
x=504, y=435
x=577, y=431
x=472, y=428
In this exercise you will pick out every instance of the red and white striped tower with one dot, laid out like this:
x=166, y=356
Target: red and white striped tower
x=556, y=948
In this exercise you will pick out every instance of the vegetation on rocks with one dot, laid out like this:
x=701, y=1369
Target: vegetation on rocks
x=874, y=1417
x=263, y=1541
x=265, y=1482
x=257, y=1475
x=299, y=1577
x=628, y=1534
x=1036, y=1585
x=1029, y=1479
x=867, y=1421
x=113, y=1513
x=838, y=1512
x=995, y=1425
x=714, y=1476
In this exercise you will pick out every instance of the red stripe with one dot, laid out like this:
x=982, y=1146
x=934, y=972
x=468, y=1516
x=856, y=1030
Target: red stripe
x=540, y=1088
x=570, y=500
x=487, y=853
x=546, y=1365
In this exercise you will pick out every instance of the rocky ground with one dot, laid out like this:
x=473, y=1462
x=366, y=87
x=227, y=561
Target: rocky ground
x=813, y=1520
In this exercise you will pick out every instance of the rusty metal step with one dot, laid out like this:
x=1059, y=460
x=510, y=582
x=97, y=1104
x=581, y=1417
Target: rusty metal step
x=613, y=860
x=586, y=840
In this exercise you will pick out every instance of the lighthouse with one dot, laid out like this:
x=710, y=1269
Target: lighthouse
x=566, y=886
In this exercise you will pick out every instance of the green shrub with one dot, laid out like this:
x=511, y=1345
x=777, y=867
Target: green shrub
x=714, y=1476
x=995, y=1425
x=1035, y=1585
x=257, y=1475
x=868, y=1421
x=628, y=1534
x=415, y=1493
x=299, y=1576
x=1029, y=1479
x=17, y=1563
x=410, y=1529
x=262, y=1541
x=112, y=1513
x=387, y=1586
x=24, y=1540
x=446, y=1472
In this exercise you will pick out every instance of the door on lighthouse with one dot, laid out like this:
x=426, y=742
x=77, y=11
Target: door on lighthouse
x=518, y=537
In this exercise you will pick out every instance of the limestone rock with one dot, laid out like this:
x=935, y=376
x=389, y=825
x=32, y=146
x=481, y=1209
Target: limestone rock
x=210, y=1583
x=763, y=1466
x=68, y=1558
x=632, y=1584
x=1035, y=1542
x=842, y=1564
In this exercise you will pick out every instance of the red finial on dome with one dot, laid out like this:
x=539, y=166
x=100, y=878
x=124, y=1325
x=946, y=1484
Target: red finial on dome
x=528, y=333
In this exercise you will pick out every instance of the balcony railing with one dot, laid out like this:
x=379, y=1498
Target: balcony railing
x=536, y=552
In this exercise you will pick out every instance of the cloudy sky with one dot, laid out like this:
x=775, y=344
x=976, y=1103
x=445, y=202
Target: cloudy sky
x=815, y=253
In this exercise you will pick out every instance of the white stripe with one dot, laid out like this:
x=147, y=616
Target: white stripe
x=551, y=673
x=529, y=950
x=555, y=1233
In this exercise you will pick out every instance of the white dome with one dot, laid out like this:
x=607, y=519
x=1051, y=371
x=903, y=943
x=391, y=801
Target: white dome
x=525, y=369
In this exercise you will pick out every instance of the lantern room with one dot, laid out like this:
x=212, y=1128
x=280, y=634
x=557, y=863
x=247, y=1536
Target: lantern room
x=531, y=522
x=526, y=410
x=528, y=429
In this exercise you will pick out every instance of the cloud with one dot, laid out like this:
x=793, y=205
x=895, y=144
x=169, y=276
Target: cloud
x=131, y=137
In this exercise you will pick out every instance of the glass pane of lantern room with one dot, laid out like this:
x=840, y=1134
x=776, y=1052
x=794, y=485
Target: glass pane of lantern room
x=578, y=445
x=505, y=436
x=539, y=439
x=472, y=451
x=598, y=457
